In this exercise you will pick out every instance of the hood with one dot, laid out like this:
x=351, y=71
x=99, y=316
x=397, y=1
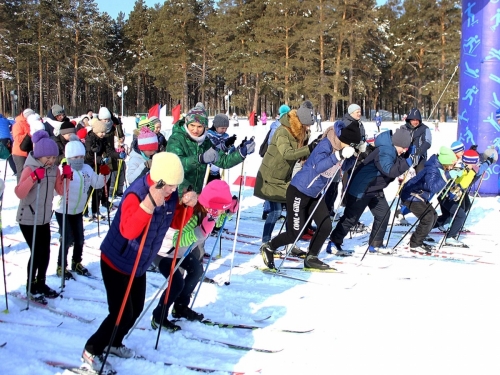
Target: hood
x=414, y=115
x=292, y=122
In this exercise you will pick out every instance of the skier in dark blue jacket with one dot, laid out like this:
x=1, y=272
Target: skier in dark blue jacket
x=421, y=138
x=366, y=189
x=305, y=189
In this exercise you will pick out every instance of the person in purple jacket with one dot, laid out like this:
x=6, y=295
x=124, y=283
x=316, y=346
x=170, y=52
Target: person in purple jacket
x=304, y=192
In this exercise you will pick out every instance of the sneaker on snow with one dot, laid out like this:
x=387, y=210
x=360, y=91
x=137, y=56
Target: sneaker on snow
x=181, y=311
x=47, y=291
x=452, y=241
x=424, y=248
x=121, y=351
x=403, y=222
x=312, y=261
x=297, y=252
x=94, y=363
x=167, y=324
x=67, y=275
x=79, y=269
x=267, y=255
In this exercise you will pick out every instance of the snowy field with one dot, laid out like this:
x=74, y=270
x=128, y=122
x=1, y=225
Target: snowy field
x=386, y=315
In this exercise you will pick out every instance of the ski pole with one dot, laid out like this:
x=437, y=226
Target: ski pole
x=127, y=292
x=33, y=242
x=172, y=270
x=470, y=208
x=98, y=198
x=397, y=204
x=3, y=251
x=441, y=243
x=157, y=293
x=107, y=198
x=120, y=162
x=345, y=191
x=63, y=240
x=208, y=262
x=289, y=249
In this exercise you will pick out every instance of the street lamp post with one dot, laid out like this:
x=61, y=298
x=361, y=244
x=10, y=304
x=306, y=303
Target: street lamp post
x=122, y=94
x=228, y=98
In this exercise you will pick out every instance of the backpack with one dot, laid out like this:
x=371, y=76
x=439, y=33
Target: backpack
x=264, y=145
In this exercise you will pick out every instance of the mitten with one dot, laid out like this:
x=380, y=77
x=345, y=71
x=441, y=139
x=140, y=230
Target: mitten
x=209, y=156
x=104, y=170
x=230, y=141
x=207, y=225
x=38, y=174
x=67, y=172
x=345, y=153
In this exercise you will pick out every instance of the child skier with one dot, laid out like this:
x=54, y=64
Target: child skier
x=139, y=162
x=39, y=178
x=82, y=177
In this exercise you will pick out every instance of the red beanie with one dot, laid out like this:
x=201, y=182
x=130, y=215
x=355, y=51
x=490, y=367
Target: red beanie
x=216, y=195
x=82, y=133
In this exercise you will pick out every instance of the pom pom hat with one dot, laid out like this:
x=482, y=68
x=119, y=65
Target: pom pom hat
x=43, y=145
x=197, y=114
x=167, y=166
x=74, y=147
x=216, y=195
x=147, y=140
x=470, y=157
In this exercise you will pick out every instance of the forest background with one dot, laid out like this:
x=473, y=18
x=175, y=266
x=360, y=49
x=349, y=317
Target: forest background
x=248, y=55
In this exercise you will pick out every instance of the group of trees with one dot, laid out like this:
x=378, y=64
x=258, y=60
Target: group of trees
x=266, y=52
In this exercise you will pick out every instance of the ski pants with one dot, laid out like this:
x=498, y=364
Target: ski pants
x=427, y=217
x=448, y=210
x=299, y=208
x=116, y=284
x=73, y=234
x=41, y=252
x=354, y=209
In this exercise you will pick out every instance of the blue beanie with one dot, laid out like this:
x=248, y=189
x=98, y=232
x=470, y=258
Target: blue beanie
x=457, y=146
x=284, y=109
x=497, y=114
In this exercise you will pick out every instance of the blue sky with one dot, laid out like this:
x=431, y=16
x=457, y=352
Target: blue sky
x=113, y=7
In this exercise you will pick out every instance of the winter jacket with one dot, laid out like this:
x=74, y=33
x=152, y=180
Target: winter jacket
x=312, y=179
x=427, y=182
x=219, y=143
x=272, y=130
x=20, y=129
x=78, y=188
x=61, y=145
x=192, y=236
x=421, y=136
x=92, y=141
x=26, y=191
x=52, y=126
x=378, y=169
x=135, y=165
x=162, y=142
x=275, y=172
x=109, y=148
x=4, y=128
x=119, y=252
x=189, y=151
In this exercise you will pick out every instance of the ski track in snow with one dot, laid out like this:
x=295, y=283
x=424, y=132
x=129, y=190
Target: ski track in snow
x=387, y=314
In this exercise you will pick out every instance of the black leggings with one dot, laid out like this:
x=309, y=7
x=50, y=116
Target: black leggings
x=41, y=252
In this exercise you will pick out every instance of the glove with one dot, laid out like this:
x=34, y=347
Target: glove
x=456, y=173
x=490, y=160
x=104, y=161
x=209, y=156
x=207, y=225
x=313, y=145
x=230, y=141
x=67, y=172
x=95, y=148
x=410, y=162
x=415, y=159
x=345, y=153
x=247, y=148
x=104, y=170
x=38, y=174
x=412, y=149
x=362, y=147
x=148, y=163
x=123, y=155
x=233, y=207
x=455, y=193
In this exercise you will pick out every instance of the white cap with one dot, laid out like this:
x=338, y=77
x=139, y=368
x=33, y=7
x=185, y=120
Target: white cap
x=104, y=113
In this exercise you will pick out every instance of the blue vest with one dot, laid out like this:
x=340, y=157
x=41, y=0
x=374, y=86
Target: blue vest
x=122, y=252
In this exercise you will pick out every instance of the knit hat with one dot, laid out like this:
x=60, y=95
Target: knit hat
x=284, y=109
x=146, y=124
x=97, y=125
x=497, y=114
x=350, y=134
x=57, y=110
x=154, y=120
x=470, y=157
x=307, y=104
x=216, y=195
x=104, y=113
x=147, y=140
x=305, y=115
x=82, y=133
x=197, y=114
x=446, y=156
x=67, y=128
x=352, y=108
x=35, y=123
x=43, y=145
x=74, y=147
x=457, y=146
x=27, y=112
x=221, y=121
x=401, y=138
x=167, y=166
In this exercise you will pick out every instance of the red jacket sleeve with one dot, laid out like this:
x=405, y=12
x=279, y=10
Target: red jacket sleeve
x=179, y=212
x=133, y=218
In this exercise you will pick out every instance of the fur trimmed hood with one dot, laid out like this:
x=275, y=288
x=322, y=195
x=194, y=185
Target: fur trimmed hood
x=295, y=127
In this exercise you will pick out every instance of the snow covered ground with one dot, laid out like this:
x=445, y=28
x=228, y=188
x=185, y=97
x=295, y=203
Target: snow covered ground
x=386, y=315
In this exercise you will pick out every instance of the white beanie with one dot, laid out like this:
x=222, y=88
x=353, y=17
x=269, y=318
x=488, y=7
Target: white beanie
x=74, y=147
x=27, y=112
x=35, y=123
x=104, y=113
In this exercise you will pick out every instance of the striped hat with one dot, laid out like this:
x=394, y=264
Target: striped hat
x=497, y=114
x=470, y=157
x=457, y=146
x=147, y=140
x=146, y=123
